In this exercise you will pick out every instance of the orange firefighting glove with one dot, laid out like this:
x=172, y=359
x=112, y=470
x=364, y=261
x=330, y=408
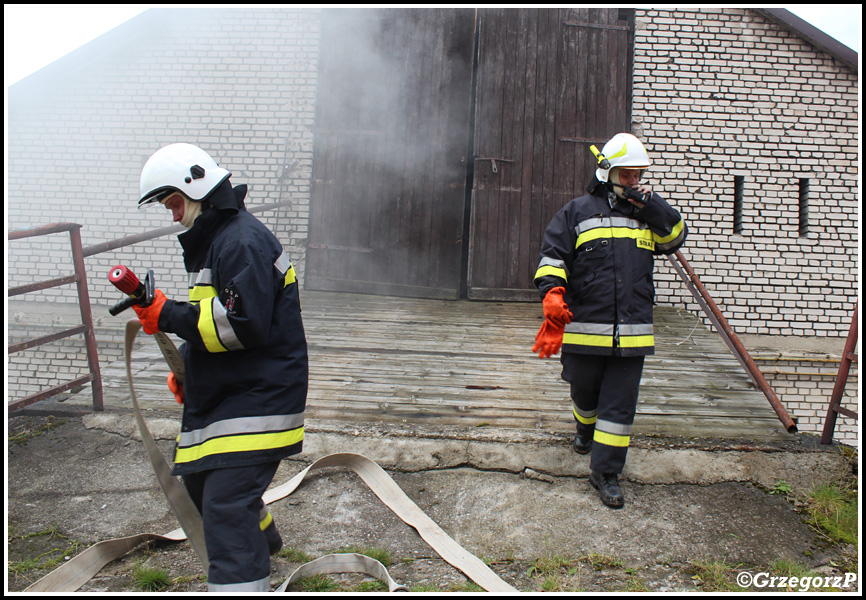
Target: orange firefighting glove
x=176, y=388
x=555, y=309
x=548, y=340
x=149, y=315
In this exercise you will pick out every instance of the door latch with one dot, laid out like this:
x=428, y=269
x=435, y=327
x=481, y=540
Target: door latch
x=493, y=161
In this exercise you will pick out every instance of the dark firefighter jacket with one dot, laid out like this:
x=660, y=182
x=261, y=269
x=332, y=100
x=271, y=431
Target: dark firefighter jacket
x=603, y=256
x=245, y=354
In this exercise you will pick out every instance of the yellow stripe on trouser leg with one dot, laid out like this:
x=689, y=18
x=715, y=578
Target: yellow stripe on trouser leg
x=269, y=528
x=583, y=419
x=611, y=439
x=264, y=523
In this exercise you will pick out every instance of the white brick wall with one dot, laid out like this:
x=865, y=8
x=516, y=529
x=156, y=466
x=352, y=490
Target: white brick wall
x=723, y=92
x=805, y=386
x=239, y=83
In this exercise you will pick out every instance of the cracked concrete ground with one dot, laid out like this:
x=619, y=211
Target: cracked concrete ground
x=518, y=500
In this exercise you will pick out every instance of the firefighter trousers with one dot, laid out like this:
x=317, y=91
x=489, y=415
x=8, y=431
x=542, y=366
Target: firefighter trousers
x=230, y=503
x=604, y=392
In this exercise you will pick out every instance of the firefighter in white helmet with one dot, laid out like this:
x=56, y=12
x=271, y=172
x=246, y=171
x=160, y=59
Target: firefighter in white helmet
x=245, y=358
x=595, y=280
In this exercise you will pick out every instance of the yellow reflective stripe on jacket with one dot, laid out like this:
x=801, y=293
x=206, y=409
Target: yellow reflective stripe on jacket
x=240, y=443
x=290, y=277
x=551, y=270
x=284, y=266
x=601, y=335
x=583, y=339
x=636, y=341
x=241, y=426
x=614, y=232
x=551, y=266
x=589, y=334
x=215, y=330
x=673, y=239
x=201, y=292
x=207, y=327
x=606, y=341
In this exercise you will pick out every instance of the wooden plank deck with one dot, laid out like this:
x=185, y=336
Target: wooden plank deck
x=470, y=364
x=463, y=363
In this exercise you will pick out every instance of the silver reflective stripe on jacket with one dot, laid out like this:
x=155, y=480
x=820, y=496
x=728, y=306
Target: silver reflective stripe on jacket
x=638, y=329
x=241, y=425
x=283, y=263
x=224, y=328
x=202, y=277
x=589, y=328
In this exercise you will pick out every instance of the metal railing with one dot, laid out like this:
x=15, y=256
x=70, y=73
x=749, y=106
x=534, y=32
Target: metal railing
x=156, y=233
x=80, y=279
x=711, y=310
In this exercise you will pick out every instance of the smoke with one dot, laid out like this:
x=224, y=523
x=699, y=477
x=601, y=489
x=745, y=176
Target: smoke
x=384, y=73
x=392, y=135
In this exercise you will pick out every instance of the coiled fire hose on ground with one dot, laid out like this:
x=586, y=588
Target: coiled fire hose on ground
x=80, y=569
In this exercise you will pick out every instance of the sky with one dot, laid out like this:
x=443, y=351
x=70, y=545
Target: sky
x=38, y=34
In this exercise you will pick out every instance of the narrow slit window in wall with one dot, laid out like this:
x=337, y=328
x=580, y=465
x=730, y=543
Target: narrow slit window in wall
x=804, y=207
x=738, y=203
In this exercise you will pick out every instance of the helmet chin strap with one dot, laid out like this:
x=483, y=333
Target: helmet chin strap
x=614, y=187
x=612, y=198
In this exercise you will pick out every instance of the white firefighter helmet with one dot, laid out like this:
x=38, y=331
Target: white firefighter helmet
x=623, y=150
x=183, y=168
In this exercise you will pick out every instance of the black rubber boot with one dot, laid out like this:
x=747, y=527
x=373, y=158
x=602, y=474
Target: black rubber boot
x=608, y=488
x=583, y=439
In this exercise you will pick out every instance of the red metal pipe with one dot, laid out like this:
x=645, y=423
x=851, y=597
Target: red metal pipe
x=841, y=380
x=756, y=374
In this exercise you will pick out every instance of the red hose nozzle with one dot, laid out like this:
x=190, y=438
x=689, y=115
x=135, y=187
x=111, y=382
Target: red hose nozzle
x=125, y=280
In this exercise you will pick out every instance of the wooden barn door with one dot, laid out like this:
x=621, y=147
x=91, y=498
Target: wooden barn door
x=550, y=82
x=391, y=142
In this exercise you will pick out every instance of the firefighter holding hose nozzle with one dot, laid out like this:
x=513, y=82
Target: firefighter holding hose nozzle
x=245, y=361
x=595, y=278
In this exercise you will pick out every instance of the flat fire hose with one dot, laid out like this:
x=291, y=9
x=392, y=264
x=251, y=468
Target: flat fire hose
x=80, y=569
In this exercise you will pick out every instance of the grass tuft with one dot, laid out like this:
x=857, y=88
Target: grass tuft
x=833, y=509
x=150, y=579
